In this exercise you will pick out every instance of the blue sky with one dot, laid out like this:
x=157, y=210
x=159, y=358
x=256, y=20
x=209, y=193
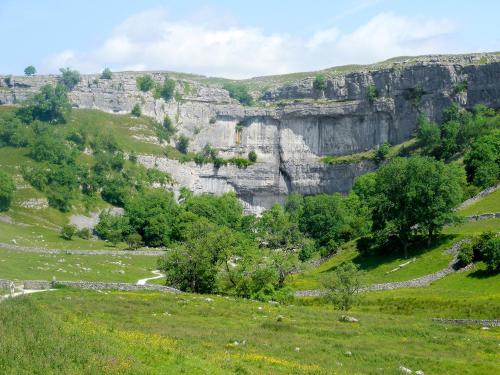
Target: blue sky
x=236, y=38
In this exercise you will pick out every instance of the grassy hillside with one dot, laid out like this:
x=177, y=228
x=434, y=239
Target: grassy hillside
x=149, y=333
x=39, y=226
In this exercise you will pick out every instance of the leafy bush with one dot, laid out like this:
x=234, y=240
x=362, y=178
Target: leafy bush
x=252, y=156
x=50, y=104
x=371, y=93
x=482, y=161
x=319, y=82
x=112, y=227
x=84, y=233
x=382, y=152
x=136, y=110
x=68, y=231
x=106, y=74
x=491, y=254
x=461, y=87
x=7, y=189
x=134, y=241
x=145, y=83
x=182, y=144
x=343, y=285
x=239, y=91
x=69, y=78
x=30, y=70
x=166, y=90
x=239, y=162
x=465, y=254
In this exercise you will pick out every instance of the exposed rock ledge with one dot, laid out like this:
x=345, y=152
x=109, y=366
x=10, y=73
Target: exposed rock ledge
x=290, y=130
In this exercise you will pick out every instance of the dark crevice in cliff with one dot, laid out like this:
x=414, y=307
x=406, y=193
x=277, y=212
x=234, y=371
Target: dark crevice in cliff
x=281, y=165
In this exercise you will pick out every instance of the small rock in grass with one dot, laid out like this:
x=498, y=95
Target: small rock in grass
x=259, y=308
x=273, y=303
x=485, y=328
x=419, y=372
x=348, y=353
x=405, y=370
x=349, y=319
x=279, y=318
x=297, y=349
x=208, y=299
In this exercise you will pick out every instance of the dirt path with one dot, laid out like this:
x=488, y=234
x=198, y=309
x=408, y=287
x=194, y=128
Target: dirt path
x=158, y=274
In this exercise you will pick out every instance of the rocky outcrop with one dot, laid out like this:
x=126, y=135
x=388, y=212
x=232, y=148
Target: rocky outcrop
x=293, y=125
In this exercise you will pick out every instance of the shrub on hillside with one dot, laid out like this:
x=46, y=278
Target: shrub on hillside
x=252, y=156
x=136, y=110
x=84, y=233
x=491, y=254
x=239, y=91
x=106, y=74
x=68, y=231
x=165, y=90
x=145, y=83
x=69, y=78
x=465, y=254
x=7, y=188
x=50, y=104
x=319, y=82
x=182, y=144
x=371, y=93
x=30, y=70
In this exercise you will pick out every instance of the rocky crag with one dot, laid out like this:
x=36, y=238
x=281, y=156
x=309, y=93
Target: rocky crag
x=292, y=125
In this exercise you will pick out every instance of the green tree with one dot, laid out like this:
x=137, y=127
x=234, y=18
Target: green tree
x=194, y=264
x=428, y=135
x=382, y=152
x=239, y=91
x=68, y=231
x=277, y=231
x=223, y=210
x=327, y=219
x=166, y=90
x=343, y=285
x=252, y=156
x=112, y=227
x=136, y=110
x=30, y=70
x=153, y=214
x=416, y=195
x=145, y=83
x=7, y=189
x=371, y=93
x=50, y=104
x=106, y=74
x=491, y=254
x=319, y=82
x=182, y=144
x=482, y=161
x=134, y=241
x=69, y=78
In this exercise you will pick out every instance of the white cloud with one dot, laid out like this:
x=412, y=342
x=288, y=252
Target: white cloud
x=151, y=41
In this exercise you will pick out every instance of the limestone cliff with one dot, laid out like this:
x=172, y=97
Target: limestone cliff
x=293, y=125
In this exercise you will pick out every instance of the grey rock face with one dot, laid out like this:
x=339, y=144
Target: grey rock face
x=290, y=129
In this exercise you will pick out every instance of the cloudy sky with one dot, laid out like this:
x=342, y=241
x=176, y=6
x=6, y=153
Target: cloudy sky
x=236, y=39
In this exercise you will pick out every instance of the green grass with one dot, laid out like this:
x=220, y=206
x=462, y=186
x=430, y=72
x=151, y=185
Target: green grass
x=151, y=333
x=67, y=267
x=370, y=154
x=375, y=268
x=487, y=204
x=474, y=227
